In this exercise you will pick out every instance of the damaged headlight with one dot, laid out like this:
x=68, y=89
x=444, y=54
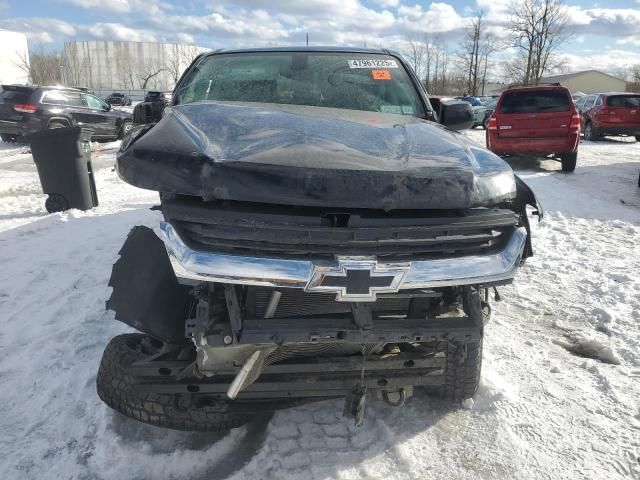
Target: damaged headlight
x=495, y=181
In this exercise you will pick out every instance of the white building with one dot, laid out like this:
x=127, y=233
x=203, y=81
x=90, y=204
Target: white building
x=14, y=57
x=588, y=81
x=125, y=65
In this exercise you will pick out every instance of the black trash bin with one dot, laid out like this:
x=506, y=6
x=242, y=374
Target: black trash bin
x=63, y=160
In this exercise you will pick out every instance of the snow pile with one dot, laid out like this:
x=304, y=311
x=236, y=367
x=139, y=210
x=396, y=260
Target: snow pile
x=589, y=347
x=541, y=411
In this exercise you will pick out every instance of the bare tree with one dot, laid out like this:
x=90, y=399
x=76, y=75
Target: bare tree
x=125, y=70
x=474, y=57
x=442, y=63
x=179, y=58
x=469, y=54
x=42, y=68
x=429, y=54
x=633, y=77
x=490, y=45
x=147, y=71
x=415, y=53
x=539, y=28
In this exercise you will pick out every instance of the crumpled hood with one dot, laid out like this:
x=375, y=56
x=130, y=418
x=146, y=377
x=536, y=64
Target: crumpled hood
x=312, y=156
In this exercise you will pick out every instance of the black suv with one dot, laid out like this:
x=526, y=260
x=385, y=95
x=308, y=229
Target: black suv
x=118, y=99
x=25, y=109
x=153, y=96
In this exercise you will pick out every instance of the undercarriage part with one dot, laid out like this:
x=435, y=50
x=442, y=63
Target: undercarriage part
x=233, y=309
x=450, y=369
x=274, y=301
x=325, y=356
x=253, y=359
x=397, y=402
x=320, y=377
x=355, y=403
x=249, y=372
x=339, y=329
x=146, y=294
x=497, y=296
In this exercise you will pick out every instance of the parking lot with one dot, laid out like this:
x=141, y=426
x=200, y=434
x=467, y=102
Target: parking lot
x=559, y=392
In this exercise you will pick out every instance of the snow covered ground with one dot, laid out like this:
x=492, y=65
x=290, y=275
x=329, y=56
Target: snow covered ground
x=561, y=379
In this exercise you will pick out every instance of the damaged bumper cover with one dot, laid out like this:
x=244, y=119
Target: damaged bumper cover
x=192, y=265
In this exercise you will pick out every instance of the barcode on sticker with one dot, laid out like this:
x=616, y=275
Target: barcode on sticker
x=372, y=63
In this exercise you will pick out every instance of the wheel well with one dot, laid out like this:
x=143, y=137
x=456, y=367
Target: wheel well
x=58, y=120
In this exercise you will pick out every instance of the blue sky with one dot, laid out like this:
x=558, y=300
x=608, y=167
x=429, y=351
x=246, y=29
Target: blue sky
x=606, y=33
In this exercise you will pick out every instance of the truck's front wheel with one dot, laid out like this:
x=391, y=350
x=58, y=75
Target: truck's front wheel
x=175, y=411
x=462, y=370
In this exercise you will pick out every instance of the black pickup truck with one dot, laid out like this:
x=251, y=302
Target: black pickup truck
x=325, y=234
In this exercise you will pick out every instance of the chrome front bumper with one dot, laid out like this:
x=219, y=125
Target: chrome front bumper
x=196, y=266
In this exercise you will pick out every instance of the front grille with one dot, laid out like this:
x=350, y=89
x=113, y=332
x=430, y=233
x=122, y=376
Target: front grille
x=259, y=230
x=298, y=303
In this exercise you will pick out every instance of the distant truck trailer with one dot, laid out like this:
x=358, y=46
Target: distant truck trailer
x=13, y=58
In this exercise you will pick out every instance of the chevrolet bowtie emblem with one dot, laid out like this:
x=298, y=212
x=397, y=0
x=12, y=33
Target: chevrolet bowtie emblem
x=357, y=279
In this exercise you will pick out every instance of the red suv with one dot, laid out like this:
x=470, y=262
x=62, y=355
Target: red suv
x=610, y=114
x=540, y=120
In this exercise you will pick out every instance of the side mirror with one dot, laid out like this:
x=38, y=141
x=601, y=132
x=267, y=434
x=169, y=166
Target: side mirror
x=456, y=114
x=107, y=107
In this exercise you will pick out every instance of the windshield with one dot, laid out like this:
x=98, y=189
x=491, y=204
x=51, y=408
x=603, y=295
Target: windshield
x=356, y=81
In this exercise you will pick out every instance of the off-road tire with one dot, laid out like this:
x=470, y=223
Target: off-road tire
x=176, y=411
x=462, y=371
x=569, y=161
x=124, y=129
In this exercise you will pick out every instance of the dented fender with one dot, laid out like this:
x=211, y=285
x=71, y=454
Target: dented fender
x=146, y=294
x=524, y=197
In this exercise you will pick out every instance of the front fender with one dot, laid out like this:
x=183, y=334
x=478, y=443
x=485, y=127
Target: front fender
x=524, y=197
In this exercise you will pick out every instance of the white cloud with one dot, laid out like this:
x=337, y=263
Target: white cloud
x=118, y=6
x=392, y=3
x=608, y=60
x=606, y=21
x=117, y=31
x=152, y=7
x=40, y=30
x=439, y=17
x=578, y=16
x=631, y=40
x=495, y=11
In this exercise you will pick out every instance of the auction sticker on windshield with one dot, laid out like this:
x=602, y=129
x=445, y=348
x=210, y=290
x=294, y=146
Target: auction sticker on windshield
x=381, y=74
x=372, y=63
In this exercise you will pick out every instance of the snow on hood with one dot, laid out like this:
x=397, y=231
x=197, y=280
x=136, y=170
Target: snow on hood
x=313, y=156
